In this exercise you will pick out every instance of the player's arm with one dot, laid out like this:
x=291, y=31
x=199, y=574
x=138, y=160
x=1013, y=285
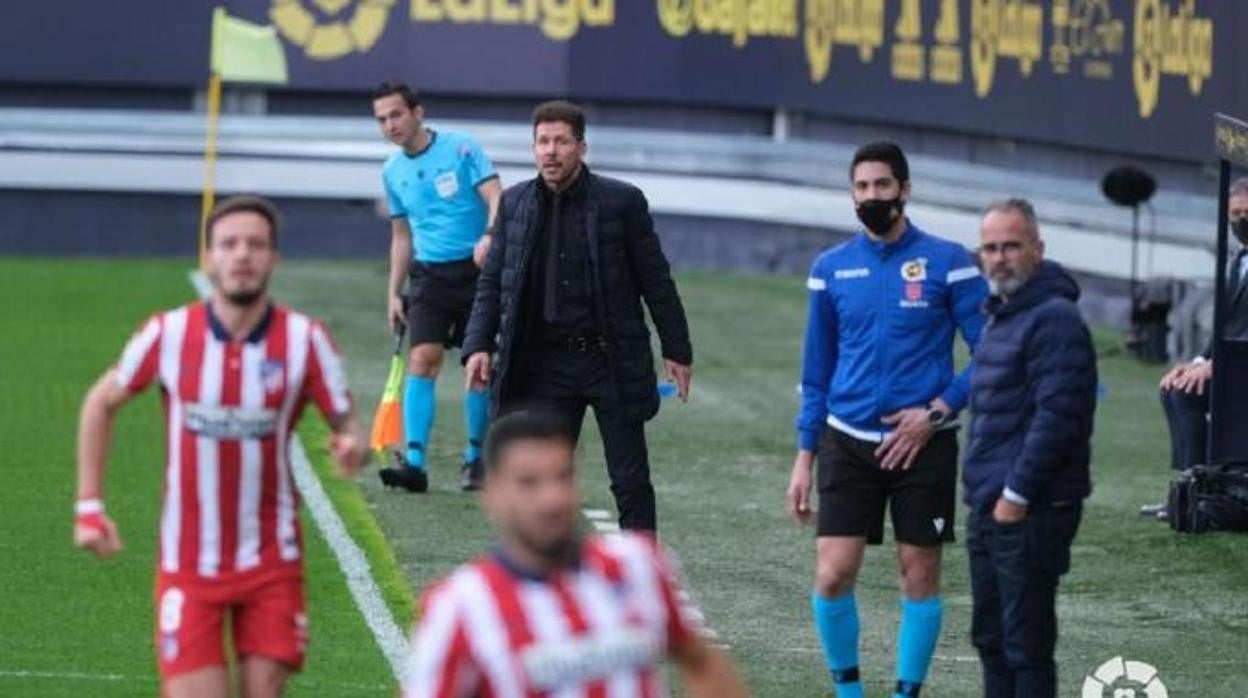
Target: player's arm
x=347, y=443
x=326, y=385
x=707, y=672
x=819, y=357
x=489, y=190
x=93, y=529
x=400, y=260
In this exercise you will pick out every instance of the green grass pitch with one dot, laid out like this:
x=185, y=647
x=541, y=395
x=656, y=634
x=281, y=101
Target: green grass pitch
x=72, y=626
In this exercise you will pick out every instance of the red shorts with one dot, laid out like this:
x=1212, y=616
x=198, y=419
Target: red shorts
x=266, y=611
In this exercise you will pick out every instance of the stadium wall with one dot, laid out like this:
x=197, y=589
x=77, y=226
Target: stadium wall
x=1132, y=77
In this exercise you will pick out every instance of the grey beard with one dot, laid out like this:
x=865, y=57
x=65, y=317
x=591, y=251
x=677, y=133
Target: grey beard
x=1006, y=287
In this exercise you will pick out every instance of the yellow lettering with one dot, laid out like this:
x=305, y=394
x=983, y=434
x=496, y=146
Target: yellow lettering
x=561, y=19
x=504, y=12
x=1169, y=42
x=676, y=16
x=599, y=13
x=909, y=25
x=1006, y=29
x=946, y=57
x=947, y=31
x=426, y=11
x=819, y=35
x=465, y=11
x=907, y=63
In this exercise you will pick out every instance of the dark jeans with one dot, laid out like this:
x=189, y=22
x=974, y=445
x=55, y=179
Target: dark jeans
x=566, y=382
x=1189, y=429
x=1014, y=573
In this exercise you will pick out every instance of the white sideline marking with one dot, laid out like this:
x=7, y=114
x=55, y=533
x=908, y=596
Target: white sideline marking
x=597, y=514
x=21, y=674
x=69, y=675
x=351, y=560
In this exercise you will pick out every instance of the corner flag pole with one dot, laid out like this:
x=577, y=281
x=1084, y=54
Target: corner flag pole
x=240, y=52
x=210, y=162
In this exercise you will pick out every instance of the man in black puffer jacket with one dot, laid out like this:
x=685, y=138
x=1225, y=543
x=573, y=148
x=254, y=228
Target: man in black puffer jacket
x=558, y=322
x=1025, y=474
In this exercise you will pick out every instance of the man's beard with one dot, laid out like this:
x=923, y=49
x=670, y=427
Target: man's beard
x=244, y=299
x=1007, y=286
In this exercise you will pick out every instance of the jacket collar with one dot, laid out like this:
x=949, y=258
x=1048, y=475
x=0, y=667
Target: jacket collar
x=885, y=249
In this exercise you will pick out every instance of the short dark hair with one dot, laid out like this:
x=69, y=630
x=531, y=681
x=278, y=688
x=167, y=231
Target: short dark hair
x=410, y=97
x=1020, y=206
x=886, y=152
x=245, y=203
x=524, y=425
x=564, y=111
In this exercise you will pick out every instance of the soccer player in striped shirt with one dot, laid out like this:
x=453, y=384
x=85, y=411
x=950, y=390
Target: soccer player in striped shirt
x=235, y=372
x=547, y=612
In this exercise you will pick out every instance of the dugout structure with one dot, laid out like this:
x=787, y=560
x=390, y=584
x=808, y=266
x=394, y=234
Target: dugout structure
x=1228, y=439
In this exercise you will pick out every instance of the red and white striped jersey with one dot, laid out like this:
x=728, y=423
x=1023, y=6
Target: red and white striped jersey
x=230, y=505
x=595, y=631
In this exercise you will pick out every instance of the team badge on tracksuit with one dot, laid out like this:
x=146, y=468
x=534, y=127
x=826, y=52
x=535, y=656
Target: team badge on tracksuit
x=914, y=272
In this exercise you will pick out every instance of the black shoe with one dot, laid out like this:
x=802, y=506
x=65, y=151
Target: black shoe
x=472, y=475
x=403, y=475
x=1157, y=510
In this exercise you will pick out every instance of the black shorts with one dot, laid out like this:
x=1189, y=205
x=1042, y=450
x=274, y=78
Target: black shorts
x=853, y=490
x=439, y=301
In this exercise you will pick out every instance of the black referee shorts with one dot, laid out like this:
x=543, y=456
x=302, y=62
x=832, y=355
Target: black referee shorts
x=439, y=301
x=853, y=490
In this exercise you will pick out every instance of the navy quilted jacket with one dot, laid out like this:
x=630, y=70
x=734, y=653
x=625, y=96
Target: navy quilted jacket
x=1033, y=392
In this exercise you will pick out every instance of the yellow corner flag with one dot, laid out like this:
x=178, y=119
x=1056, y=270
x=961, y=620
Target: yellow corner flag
x=246, y=52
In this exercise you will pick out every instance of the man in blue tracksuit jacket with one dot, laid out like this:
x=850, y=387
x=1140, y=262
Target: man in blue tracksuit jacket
x=878, y=401
x=1025, y=475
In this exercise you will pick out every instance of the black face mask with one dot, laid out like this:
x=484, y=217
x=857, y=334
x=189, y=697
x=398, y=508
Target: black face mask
x=1240, y=229
x=880, y=214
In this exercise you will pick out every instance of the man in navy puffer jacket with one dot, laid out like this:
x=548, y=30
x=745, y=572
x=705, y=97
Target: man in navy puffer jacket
x=1025, y=474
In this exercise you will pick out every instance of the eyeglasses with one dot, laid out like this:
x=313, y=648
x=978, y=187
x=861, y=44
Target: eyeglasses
x=1011, y=247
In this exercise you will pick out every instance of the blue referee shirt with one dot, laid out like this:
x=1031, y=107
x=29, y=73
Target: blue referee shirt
x=436, y=191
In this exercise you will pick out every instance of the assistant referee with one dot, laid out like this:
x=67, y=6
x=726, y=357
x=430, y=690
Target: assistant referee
x=443, y=193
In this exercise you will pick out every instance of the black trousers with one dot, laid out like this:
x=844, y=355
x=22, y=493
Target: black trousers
x=1189, y=429
x=1014, y=573
x=565, y=383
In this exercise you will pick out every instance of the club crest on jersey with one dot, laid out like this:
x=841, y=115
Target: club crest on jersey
x=914, y=270
x=272, y=376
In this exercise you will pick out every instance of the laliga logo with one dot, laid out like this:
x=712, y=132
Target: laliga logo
x=345, y=31
x=1120, y=678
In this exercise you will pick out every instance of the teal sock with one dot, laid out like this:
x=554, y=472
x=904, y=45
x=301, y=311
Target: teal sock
x=418, y=408
x=476, y=419
x=916, y=641
x=836, y=621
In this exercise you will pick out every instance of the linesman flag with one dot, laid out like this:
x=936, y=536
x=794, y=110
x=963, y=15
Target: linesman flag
x=388, y=421
x=246, y=52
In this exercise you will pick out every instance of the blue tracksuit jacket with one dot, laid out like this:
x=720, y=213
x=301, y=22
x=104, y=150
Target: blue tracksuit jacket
x=879, y=335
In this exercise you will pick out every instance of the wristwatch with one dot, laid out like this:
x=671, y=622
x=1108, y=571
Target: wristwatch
x=936, y=416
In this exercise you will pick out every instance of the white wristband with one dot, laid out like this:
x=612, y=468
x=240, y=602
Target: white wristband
x=84, y=507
